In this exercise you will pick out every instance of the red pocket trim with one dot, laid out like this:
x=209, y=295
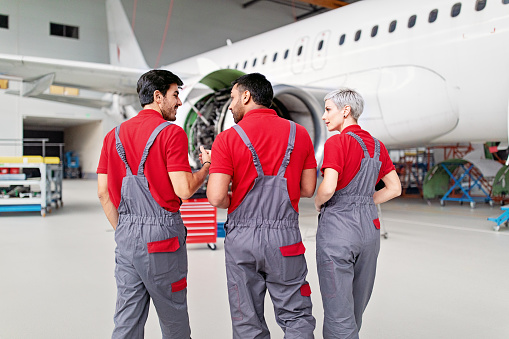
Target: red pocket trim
x=305, y=290
x=179, y=285
x=293, y=250
x=168, y=245
x=376, y=222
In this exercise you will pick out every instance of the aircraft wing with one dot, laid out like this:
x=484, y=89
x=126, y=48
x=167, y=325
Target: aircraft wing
x=88, y=75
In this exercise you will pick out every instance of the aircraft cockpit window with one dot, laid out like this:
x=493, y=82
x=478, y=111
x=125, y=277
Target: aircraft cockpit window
x=357, y=35
x=299, y=51
x=254, y=62
x=245, y=64
x=275, y=57
x=4, y=21
x=264, y=60
x=505, y=2
x=433, y=15
x=320, y=45
x=456, y=9
x=374, y=31
x=411, y=21
x=342, y=40
x=392, y=26
x=64, y=30
x=480, y=4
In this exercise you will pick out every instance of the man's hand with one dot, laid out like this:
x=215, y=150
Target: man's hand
x=205, y=155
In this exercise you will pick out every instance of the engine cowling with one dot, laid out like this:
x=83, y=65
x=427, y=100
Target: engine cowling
x=205, y=110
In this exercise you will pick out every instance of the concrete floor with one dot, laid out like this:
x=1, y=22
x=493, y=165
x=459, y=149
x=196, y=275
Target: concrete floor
x=443, y=273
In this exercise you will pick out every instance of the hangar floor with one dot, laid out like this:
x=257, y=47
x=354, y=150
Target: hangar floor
x=442, y=273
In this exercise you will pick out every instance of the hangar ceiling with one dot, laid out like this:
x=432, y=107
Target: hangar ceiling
x=198, y=26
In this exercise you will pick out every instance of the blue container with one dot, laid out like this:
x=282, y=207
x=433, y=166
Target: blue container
x=220, y=229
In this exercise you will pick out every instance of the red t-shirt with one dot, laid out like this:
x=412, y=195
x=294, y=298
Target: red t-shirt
x=269, y=135
x=167, y=154
x=344, y=154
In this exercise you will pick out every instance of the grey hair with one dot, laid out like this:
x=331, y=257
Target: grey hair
x=347, y=96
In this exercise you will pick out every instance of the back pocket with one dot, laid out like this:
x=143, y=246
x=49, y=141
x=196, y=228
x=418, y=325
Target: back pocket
x=162, y=256
x=293, y=263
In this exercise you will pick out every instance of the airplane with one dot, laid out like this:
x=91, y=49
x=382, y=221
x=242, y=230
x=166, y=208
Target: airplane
x=431, y=72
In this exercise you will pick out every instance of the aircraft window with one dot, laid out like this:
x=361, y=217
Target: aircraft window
x=286, y=53
x=228, y=67
x=299, y=51
x=480, y=4
x=342, y=40
x=254, y=62
x=357, y=35
x=392, y=26
x=4, y=21
x=245, y=64
x=505, y=2
x=236, y=65
x=264, y=60
x=433, y=15
x=275, y=57
x=320, y=45
x=374, y=31
x=64, y=30
x=456, y=9
x=411, y=21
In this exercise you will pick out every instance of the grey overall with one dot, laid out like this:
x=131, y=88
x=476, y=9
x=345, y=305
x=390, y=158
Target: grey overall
x=151, y=257
x=347, y=246
x=264, y=250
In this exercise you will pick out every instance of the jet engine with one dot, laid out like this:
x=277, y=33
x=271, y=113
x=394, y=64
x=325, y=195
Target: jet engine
x=206, y=114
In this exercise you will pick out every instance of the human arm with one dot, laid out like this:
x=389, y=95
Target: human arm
x=308, y=183
x=327, y=187
x=217, y=190
x=104, y=197
x=185, y=183
x=391, y=190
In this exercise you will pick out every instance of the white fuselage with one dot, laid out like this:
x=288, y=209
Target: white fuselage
x=440, y=82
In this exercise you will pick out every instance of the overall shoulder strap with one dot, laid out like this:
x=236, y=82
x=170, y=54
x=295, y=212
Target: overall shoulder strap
x=359, y=140
x=150, y=141
x=376, y=155
x=289, y=149
x=249, y=145
x=121, y=150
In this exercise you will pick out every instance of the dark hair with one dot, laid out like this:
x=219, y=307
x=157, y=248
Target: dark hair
x=259, y=87
x=156, y=79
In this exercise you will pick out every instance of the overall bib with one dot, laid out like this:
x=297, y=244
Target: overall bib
x=151, y=257
x=347, y=246
x=264, y=250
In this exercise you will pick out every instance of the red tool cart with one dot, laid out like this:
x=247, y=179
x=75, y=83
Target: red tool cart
x=200, y=219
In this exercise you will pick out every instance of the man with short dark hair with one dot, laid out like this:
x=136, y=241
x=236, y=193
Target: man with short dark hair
x=143, y=174
x=271, y=164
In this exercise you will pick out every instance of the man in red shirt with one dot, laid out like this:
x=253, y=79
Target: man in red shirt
x=143, y=208
x=270, y=162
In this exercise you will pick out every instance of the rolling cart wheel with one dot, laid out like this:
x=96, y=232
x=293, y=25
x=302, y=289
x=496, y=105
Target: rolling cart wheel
x=496, y=228
x=472, y=204
x=385, y=235
x=43, y=212
x=212, y=246
x=442, y=203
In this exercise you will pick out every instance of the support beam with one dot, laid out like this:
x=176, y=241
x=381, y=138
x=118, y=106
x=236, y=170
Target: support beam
x=331, y=4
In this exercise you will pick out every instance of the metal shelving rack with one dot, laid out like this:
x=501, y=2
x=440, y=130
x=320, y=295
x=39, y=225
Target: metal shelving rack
x=50, y=184
x=49, y=181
